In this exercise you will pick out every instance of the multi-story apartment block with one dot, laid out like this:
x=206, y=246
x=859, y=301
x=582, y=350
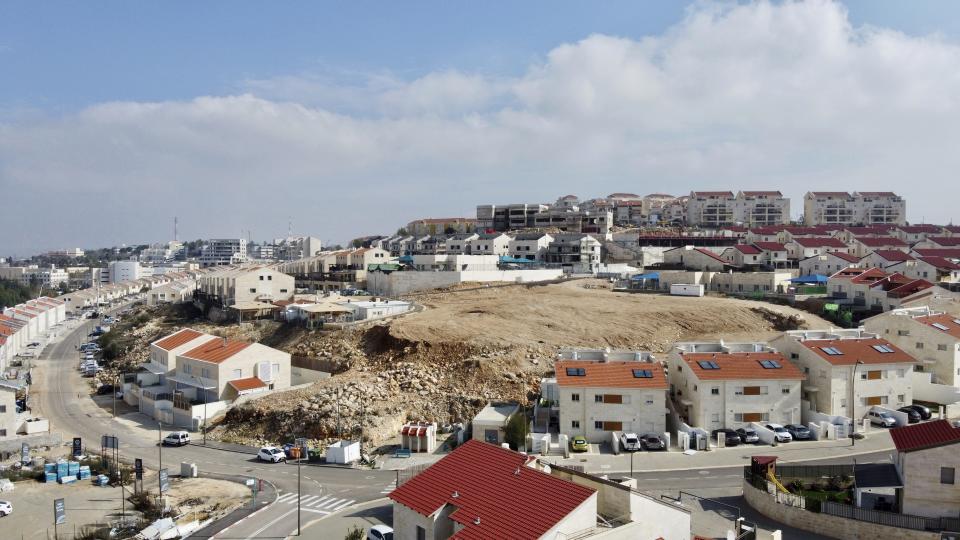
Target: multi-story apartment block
x=223, y=252
x=761, y=208
x=711, y=209
x=47, y=278
x=932, y=337
x=507, y=217
x=244, y=286
x=295, y=247
x=437, y=226
x=849, y=371
x=577, y=252
x=728, y=385
x=598, y=397
x=858, y=208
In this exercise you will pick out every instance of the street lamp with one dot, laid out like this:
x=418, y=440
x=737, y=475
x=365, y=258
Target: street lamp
x=853, y=407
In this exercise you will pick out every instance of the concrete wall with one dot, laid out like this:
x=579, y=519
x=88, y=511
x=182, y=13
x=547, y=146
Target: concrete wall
x=825, y=524
x=45, y=439
x=923, y=494
x=399, y=283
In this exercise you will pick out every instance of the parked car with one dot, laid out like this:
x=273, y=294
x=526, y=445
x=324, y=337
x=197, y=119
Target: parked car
x=271, y=454
x=652, y=441
x=780, y=433
x=579, y=444
x=881, y=418
x=104, y=389
x=730, y=437
x=380, y=532
x=630, y=442
x=798, y=431
x=6, y=508
x=177, y=438
x=913, y=415
x=748, y=435
x=924, y=412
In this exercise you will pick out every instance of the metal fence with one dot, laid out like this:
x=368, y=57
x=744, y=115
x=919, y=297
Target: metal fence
x=874, y=516
x=404, y=475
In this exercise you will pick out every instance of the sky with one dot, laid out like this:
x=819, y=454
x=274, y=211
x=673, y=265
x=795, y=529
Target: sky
x=341, y=119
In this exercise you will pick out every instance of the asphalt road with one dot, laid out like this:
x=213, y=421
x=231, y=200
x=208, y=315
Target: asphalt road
x=61, y=395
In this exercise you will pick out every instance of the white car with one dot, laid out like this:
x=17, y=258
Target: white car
x=881, y=418
x=380, y=532
x=271, y=454
x=177, y=438
x=780, y=433
x=5, y=508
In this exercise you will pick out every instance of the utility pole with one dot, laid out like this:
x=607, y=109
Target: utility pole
x=338, y=413
x=160, y=445
x=299, y=457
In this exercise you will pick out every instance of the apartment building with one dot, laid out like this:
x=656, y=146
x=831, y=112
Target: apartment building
x=849, y=371
x=599, y=397
x=506, y=217
x=293, y=248
x=9, y=419
x=531, y=246
x=928, y=458
x=932, y=337
x=243, y=286
x=761, y=208
x=728, y=385
x=858, y=208
x=49, y=278
x=436, y=226
x=711, y=209
x=578, y=253
x=223, y=252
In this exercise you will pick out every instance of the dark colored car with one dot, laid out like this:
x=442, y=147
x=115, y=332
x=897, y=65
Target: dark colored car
x=913, y=415
x=748, y=435
x=651, y=441
x=105, y=389
x=730, y=436
x=924, y=412
x=798, y=432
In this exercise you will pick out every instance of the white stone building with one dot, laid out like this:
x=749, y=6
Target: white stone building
x=531, y=246
x=859, y=208
x=933, y=338
x=223, y=252
x=928, y=459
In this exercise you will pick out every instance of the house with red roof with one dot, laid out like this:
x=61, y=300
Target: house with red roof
x=877, y=290
x=597, y=398
x=939, y=242
x=928, y=460
x=932, y=337
x=481, y=491
x=729, y=385
x=694, y=258
x=940, y=270
x=864, y=245
x=800, y=248
x=849, y=371
x=912, y=234
x=885, y=258
x=828, y=263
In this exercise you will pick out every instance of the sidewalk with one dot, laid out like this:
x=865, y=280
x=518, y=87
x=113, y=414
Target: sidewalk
x=876, y=440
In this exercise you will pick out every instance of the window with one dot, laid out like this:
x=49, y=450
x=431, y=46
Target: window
x=794, y=356
x=283, y=290
x=275, y=371
x=642, y=374
x=715, y=417
x=269, y=278
x=598, y=398
x=903, y=332
x=598, y=424
x=901, y=398
x=576, y=372
x=770, y=364
x=901, y=373
x=708, y=364
x=261, y=278
x=947, y=475
x=188, y=368
x=919, y=344
x=939, y=326
x=204, y=372
x=613, y=398
x=715, y=391
x=611, y=426
x=421, y=533
x=942, y=347
x=574, y=397
x=575, y=424
x=3, y=408
x=253, y=290
x=785, y=390
x=832, y=351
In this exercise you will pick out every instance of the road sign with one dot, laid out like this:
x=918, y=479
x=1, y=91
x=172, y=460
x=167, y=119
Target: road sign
x=24, y=453
x=59, y=512
x=106, y=441
x=77, y=447
x=138, y=468
x=164, y=480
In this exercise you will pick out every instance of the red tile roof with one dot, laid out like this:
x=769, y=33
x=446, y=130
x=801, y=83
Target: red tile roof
x=858, y=349
x=713, y=194
x=491, y=490
x=922, y=228
x=770, y=246
x=747, y=249
x=736, y=366
x=831, y=194
x=949, y=253
x=877, y=193
x=947, y=321
x=846, y=256
x=216, y=351
x=941, y=263
x=945, y=241
x=880, y=241
x=610, y=374
x=759, y=193
x=893, y=255
x=177, y=339
x=250, y=383
x=820, y=241
x=925, y=435
x=711, y=254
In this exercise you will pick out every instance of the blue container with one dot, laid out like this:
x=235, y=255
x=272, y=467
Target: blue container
x=50, y=468
x=50, y=477
x=74, y=467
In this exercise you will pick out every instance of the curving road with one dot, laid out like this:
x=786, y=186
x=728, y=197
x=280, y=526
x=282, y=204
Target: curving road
x=61, y=395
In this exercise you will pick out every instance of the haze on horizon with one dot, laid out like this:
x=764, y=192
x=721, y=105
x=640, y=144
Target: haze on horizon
x=354, y=120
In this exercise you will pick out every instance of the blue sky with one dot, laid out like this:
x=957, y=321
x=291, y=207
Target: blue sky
x=397, y=101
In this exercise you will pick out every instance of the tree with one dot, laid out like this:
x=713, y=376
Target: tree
x=515, y=430
x=402, y=231
x=449, y=230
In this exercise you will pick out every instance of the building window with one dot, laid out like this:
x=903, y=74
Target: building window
x=283, y=290
x=903, y=332
x=421, y=533
x=3, y=408
x=785, y=390
x=253, y=290
x=947, y=475
x=269, y=278
x=919, y=344
x=901, y=373
x=598, y=424
x=261, y=278
x=575, y=424
x=941, y=347
x=574, y=397
x=901, y=398
x=598, y=398
x=715, y=391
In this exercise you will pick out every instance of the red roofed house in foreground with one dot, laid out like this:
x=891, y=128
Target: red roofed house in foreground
x=928, y=459
x=483, y=492
x=849, y=366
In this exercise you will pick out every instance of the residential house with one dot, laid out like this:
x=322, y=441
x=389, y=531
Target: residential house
x=749, y=283
x=800, y=248
x=878, y=290
x=531, y=246
x=849, y=371
x=245, y=286
x=912, y=234
x=729, y=385
x=940, y=270
x=932, y=337
x=172, y=293
x=774, y=254
x=849, y=233
x=744, y=256
x=222, y=370
x=9, y=420
x=928, y=459
x=694, y=258
x=863, y=245
x=490, y=244
x=575, y=252
x=488, y=425
x=599, y=397
x=939, y=242
x=828, y=263
x=947, y=253
x=151, y=382
x=885, y=258
x=459, y=244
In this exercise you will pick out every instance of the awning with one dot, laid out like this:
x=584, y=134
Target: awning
x=252, y=306
x=514, y=260
x=190, y=381
x=812, y=278
x=250, y=384
x=650, y=275
x=156, y=369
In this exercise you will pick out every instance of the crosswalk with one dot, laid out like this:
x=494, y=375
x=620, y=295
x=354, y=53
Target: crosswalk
x=317, y=504
x=389, y=489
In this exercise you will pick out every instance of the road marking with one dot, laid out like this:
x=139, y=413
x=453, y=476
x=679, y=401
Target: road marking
x=344, y=505
x=270, y=524
x=321, y=501
x=315, y=511
x=286, y=496
x=308, y=499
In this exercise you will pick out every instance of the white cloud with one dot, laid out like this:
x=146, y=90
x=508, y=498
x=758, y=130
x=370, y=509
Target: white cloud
x=786, y=95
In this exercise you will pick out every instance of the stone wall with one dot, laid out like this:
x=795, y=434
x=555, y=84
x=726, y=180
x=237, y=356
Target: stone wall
x=825, y=524
x=12, y=445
